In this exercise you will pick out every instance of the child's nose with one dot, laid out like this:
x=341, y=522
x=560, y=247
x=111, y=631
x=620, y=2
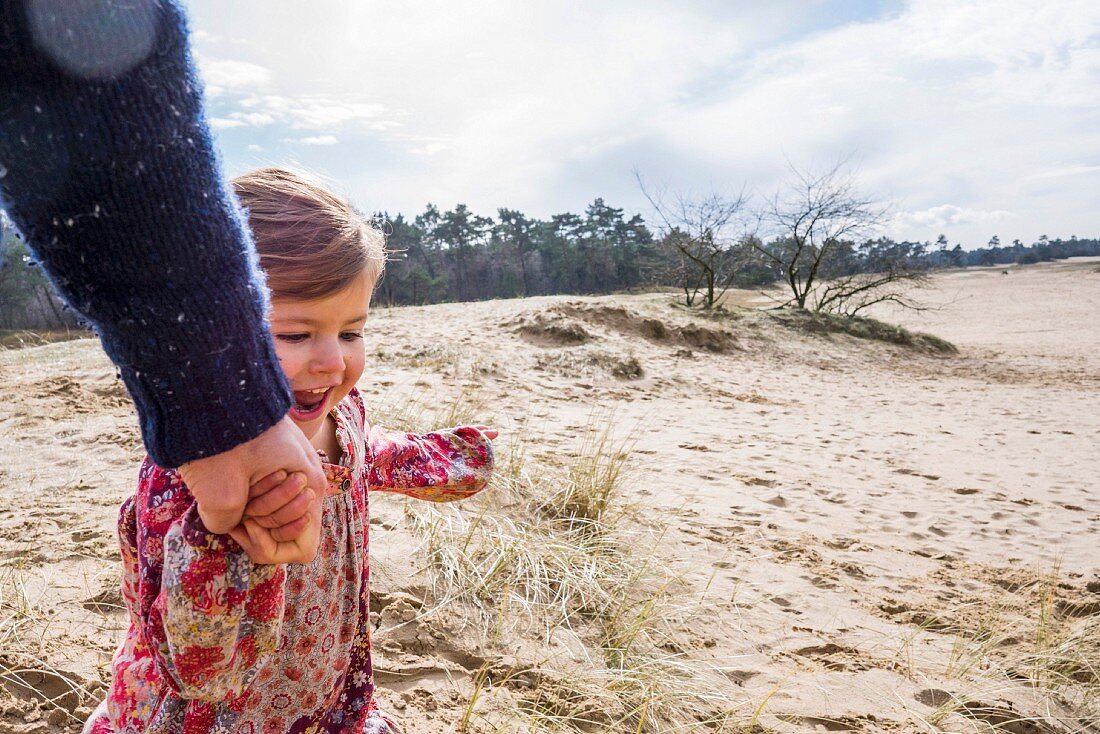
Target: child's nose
x=328, y=358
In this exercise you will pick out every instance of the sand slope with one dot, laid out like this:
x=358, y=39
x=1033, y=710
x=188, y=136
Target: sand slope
x=887, y=539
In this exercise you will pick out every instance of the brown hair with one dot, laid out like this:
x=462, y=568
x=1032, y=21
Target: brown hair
x=312, y=244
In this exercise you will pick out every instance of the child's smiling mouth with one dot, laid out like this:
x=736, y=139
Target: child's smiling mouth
x=309, y=404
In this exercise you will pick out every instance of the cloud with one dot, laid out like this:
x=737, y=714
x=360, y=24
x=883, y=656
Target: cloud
x=221, y=76
x=945, y=101
x=317, y=112
x=241, y=119
x=543, y=91
x=946, y=217
x=321, y=112
x=314, y=140
x=242, y=92
x=253, y=118
x=1076, y=170
x=994, y=108
x=223, y=123
x=428, y=149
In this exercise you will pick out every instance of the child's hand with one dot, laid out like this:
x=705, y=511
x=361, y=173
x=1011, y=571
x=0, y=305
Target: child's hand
x=279, y=504
x=292, y=541
x=262, y=547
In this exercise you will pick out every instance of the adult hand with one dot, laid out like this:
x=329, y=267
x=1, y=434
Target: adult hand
x=220, y=483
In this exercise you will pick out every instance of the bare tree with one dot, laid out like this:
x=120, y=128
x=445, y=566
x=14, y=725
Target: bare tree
x=701, y=234
x=850, y=294
x=683, y=270
x=814, y=221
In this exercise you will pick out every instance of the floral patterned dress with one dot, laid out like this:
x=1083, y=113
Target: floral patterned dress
x=220, y=644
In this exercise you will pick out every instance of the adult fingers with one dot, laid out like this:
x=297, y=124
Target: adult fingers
x=254, y=541
x=283, y=446
x=240, y=534
x=267, y=484
x=315, y=475
x=307, y=462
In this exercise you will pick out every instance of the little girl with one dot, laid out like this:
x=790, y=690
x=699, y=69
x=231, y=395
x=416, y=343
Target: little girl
x=217, y=641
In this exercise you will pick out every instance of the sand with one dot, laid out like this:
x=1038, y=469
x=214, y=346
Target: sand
x=882, y=538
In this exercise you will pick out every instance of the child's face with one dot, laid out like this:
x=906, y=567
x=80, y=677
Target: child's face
x=320, y=348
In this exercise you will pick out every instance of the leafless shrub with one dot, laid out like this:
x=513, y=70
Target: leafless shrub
x=815, y=221
x=702, y=234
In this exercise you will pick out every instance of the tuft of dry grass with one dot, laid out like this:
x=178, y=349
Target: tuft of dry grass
x=591, y=362
x=418, y=414
x=540, y=546
x=430, y=357
x=817, y=322
x=1035, y=634
x=591, y=486
x=552, y=548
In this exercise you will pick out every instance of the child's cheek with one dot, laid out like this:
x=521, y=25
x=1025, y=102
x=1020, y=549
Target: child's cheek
x=355, y=367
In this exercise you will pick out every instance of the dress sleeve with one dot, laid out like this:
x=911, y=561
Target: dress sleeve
x=131, y=569
x=441, y=466
x=211, y=613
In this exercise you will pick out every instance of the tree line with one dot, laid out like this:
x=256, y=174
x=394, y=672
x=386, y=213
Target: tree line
x=1042, y=250
x=27, y=301
x=812, y=241
x=457, y=255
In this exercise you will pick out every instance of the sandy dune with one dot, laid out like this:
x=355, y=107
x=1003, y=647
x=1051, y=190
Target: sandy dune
x=883, y=538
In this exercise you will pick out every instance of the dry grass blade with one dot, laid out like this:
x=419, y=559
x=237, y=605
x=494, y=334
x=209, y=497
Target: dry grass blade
x=26, y=660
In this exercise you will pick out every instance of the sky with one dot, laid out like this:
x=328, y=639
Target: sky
x=969, y=119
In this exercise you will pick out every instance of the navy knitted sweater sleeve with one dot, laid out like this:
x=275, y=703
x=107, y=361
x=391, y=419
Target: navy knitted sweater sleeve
x=108, y=170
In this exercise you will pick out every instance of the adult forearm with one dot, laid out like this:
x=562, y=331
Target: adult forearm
x=110, y=174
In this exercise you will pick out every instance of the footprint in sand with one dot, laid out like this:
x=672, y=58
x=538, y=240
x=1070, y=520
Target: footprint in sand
x=835, y=657
x=108, y=601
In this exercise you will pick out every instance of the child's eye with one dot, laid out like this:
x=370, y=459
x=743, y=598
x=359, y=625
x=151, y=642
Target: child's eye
x=292, y=338
x=351, y=335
